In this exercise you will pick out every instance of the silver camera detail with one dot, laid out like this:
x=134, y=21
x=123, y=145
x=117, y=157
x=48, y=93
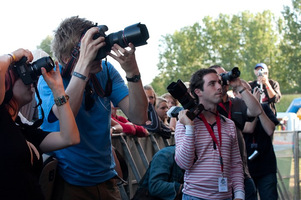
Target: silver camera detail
x=262, y=72
x=253, y=156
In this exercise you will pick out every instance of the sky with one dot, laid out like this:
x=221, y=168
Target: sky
x=25, y=24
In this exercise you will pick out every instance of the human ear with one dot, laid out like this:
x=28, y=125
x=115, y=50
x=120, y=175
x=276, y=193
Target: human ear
x=198, y=92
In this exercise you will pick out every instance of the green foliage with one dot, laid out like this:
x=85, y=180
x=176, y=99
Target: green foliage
x=241, y=40
x=46, y=45
x=286, y=101
x=290, y=47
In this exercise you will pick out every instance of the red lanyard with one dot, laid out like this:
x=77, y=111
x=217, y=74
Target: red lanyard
x=229, y=110
x=210, y=130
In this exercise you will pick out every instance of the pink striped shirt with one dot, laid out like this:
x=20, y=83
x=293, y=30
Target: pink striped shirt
x=201, y=176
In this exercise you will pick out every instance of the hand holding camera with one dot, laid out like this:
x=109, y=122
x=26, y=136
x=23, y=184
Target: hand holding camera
x=126, y=59
x=20, y=53
x=184, y=119
x=54, y=80
x=230, y=76
x=179, y=91
x=30, y=72
x=262, y=76
x=137, y=34
x=89, y=48
x=132, y=36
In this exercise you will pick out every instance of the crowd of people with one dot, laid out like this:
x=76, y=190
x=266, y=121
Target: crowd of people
x=224, y=152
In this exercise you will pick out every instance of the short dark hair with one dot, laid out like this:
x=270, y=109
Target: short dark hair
x=215, y=67
x=197, y=80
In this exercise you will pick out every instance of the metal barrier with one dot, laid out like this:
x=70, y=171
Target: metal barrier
x=286, y=146
x=138, y=152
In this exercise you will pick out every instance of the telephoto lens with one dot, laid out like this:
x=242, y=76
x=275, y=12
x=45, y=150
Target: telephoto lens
x=137, y=34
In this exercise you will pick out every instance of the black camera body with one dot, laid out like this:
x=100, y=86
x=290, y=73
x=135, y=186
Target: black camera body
x=179, y=91
x=29, y=73
x=229, y=76
x=137, y=34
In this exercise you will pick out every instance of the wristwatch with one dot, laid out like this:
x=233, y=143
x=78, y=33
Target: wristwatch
x=134, y=79
x=61, y=100
x=114, y=129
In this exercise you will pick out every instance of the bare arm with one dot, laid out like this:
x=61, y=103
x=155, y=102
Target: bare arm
x=254, y=107
x=69, y=134
x=115, y=127
x=272, y=90
x=5, y=61
x=85, y=65
x=267, y=124
x=250, y=126
x=134, y=106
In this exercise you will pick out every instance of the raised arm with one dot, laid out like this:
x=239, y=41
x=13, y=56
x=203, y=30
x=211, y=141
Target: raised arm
x=85, y=65
x=135, y=105
x=69, y=134
x=254, y=108
x=5, y=61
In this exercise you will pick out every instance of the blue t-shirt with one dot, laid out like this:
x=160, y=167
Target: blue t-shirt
x=91, y=161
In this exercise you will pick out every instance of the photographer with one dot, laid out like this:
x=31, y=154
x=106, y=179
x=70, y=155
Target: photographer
x=207, y=147
x=86, y=171
x=240, y=111
x=22, y=145
x=270, y=89
x=261, y=156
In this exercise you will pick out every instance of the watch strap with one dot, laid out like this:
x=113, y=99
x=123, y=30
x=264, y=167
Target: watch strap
x=61, y=100
x=134, y=79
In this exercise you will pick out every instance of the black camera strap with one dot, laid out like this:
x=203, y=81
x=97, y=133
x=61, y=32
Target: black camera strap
x=97, y=87
x=38, y=122
x=66, y=73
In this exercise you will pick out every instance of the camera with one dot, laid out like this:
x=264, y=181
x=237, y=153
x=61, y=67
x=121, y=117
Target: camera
x=29, y=73
x=262, y=72
x=229, y=76
x=174, y=111
x=257, y=88
x=179, y=91
x=137, y=34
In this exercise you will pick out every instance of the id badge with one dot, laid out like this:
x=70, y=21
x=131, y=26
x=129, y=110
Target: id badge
x=222, y=184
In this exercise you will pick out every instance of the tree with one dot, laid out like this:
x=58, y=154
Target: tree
x=290, y=49
x=46, y=45
x=241, y=40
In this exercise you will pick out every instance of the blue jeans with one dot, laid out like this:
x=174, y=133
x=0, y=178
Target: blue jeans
x=188, y=197
x=267, y=186
x=250, y=189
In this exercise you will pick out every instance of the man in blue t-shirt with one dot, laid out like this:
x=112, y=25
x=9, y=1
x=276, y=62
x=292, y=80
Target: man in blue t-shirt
x=86, y=171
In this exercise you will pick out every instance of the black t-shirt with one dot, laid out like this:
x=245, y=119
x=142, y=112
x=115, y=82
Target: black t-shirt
x=238, y=111
x=266, y=98
x=265, y=162
x=20, y=167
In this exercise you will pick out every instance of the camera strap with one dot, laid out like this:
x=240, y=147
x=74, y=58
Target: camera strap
x=97, y=87
x=221, y=104
x=66, y=73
